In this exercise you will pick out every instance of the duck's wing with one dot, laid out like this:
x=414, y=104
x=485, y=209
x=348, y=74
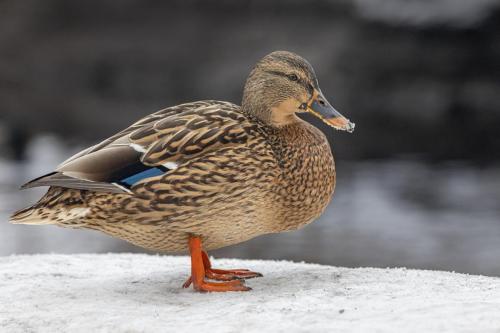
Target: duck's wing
x=152, y=146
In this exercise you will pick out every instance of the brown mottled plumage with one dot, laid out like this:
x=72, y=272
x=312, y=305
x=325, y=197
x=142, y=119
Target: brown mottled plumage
x=208, y=169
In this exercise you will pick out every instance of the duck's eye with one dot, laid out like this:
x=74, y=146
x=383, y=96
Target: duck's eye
x=293, y=77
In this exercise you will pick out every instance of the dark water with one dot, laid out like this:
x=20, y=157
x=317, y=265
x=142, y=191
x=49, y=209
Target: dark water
x=391, y=213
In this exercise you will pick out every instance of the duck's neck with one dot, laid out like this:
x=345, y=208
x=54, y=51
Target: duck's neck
x=271, y=116
x=299, y=134
x=256, y=108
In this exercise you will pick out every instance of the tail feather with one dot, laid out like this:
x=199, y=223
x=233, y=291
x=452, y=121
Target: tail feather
x=30, y=215
x=51, y=209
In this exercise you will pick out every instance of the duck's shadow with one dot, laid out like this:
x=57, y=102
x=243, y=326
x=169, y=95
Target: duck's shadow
x=165, y=287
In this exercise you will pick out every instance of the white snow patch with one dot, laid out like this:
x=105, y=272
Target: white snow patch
x=142, y=293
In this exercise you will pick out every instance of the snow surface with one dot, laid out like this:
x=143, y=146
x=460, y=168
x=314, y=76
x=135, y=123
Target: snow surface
x=142, y=293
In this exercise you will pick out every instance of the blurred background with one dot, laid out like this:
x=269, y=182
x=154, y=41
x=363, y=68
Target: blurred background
x=418, y=181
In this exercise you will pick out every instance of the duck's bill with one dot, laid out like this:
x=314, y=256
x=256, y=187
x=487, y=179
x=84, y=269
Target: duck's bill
x=321, y=108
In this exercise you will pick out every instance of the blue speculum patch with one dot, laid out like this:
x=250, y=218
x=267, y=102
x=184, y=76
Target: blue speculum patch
x=148, y=173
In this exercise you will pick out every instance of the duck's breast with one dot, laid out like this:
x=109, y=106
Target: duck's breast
x=307, y=179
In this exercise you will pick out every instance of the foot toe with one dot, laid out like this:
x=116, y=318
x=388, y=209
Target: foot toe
x=235, y=285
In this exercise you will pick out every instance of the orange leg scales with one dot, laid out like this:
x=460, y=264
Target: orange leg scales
x=201, y=269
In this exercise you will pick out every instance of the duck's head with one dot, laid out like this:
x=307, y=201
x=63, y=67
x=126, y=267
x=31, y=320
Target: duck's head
x=283, y=84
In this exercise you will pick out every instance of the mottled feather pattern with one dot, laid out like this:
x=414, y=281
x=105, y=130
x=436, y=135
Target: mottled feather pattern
x=210, y=169
x=191, y=131
x=237, y=178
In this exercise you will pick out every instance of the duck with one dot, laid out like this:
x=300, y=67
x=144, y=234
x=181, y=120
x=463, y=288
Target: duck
x=203, y=175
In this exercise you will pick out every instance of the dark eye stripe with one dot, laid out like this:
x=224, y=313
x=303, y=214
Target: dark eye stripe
x=300, y=81
x=277, y=73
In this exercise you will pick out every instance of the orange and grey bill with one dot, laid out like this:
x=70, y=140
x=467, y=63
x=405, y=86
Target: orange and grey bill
x=321, y=108
x=341, y=123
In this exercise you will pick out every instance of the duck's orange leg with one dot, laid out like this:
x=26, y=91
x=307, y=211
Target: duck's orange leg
x=198, y=272
x=222, y=274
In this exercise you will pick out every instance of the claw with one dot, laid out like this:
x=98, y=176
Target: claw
x=188, y=282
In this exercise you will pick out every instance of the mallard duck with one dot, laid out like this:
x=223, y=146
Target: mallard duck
x=204, y=175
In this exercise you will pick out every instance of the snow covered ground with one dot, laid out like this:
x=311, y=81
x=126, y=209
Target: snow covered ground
x=142, y=293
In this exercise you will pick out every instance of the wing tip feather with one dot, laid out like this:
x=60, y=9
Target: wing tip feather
x=37, y=181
